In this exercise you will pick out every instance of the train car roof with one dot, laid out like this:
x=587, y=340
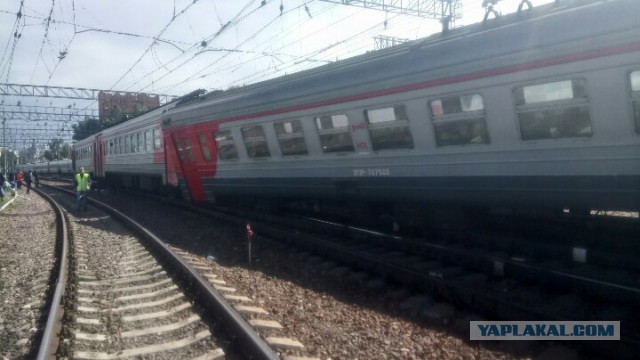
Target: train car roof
x=561, y=29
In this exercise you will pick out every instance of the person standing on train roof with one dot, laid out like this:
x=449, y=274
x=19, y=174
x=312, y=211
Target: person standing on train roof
x=83, y=183
x=28, y=177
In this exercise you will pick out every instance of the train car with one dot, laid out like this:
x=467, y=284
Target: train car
x=82, y=154
x=132, y=154
x=532, y=110
x=129, y=154
x=51, y=168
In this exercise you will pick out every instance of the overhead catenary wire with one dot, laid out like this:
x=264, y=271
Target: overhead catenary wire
x=226, y=53
x=44, y=39
x=65, y=50
x=264, y=74
x=175, y=16
x=239, y=17
x=307, y=59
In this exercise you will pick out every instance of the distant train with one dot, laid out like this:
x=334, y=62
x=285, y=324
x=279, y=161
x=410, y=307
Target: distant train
x=532, y=110
x=57, y=167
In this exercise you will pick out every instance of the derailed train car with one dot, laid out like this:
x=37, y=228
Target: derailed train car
x=532, y=110
x=537, y=110
x=130, y=154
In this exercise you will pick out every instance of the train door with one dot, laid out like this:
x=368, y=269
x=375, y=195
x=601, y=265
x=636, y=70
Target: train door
x=98, y=157
x=73, y=160
x=184, y=147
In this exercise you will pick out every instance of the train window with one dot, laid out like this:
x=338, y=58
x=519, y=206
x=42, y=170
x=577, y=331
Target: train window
x=255, y=141
x=459, y=120
x=148, y=141
x=553, y=110
x=204, y=147
x=132, y=141
x=291, y=137
x=156, y=139
x=635, y=80
x=457, y=104
x=226, y=147
x=389, y=128
x=126, y=144
x=144, y=141
x=187, y=148
x=335, y=135
x=555, y=91
x=120, y=145
x=179, y=148
x=634, y=77
x=139, y=140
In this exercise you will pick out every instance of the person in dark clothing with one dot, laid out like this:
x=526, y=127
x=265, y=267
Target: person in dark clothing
x=27, y=179
x=36, y=178
x=2, y=179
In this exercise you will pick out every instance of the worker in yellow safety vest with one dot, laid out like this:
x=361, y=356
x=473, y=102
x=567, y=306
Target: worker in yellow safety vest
x=83, y=183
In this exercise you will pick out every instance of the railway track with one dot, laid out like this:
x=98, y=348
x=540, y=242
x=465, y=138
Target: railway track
x=501, y=285
x=128, y=295
x=472, y=274
x=502, y=277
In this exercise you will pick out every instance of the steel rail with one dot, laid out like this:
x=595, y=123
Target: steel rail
x=248, y=341
x=49, y=341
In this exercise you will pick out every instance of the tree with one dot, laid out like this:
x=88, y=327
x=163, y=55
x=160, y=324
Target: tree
x=58, y=149
x=87, y=127
x=65, y=151
x=11, y=159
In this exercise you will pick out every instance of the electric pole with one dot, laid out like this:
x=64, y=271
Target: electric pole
x=4, y=147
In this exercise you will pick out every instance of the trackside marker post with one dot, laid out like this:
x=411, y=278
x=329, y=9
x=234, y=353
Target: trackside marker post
x=250, y=234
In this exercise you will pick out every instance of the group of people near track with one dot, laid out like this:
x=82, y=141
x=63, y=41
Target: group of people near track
x=14, y=182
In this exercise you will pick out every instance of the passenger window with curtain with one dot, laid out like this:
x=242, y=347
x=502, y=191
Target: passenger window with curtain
x=139, y=141
x=225, y=145
x=334, y=132
x=634, y=78
x=204, y=147
x=459, y=120
x=291, y=137
x=126, y=144
x=255, y=141
x=553, y=110
x=389, y=128
x=133, y=143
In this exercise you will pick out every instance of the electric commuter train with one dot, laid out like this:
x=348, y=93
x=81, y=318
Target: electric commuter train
x=533, y=110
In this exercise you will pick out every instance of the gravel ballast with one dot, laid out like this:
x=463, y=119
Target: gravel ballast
x=336, y=314
x=27, y=243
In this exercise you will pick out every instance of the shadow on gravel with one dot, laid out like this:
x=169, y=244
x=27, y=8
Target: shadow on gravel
x=228, y=245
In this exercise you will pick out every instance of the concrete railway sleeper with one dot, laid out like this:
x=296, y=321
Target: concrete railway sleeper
x=129, y=295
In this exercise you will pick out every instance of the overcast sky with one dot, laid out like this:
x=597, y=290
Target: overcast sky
x=176, y=46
